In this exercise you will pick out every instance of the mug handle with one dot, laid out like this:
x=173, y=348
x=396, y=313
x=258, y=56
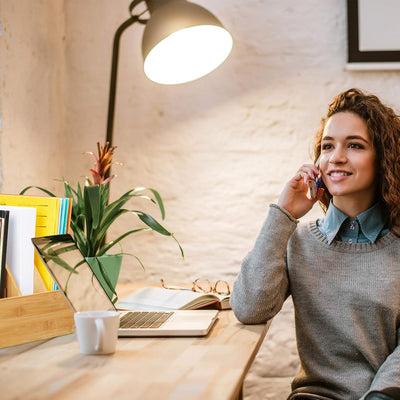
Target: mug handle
x=100, y=329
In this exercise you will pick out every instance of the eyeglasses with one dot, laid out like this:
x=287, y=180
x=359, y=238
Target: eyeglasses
x=202, y=286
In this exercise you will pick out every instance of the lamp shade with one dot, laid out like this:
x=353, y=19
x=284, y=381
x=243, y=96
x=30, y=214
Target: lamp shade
x=182, y=41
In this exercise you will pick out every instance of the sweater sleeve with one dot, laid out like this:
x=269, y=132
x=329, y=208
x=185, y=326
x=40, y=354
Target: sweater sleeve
x=388, y=374
x=262, y=284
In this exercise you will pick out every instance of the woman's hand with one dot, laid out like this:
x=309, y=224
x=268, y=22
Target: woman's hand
x=294, y=197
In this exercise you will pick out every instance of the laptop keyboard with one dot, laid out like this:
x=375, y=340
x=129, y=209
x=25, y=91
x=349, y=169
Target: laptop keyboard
x=144, y=319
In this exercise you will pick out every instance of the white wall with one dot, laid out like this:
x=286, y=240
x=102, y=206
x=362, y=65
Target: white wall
x=218, y=149
x=32, y=93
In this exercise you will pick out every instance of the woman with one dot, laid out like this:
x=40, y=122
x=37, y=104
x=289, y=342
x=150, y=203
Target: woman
x=343, y=271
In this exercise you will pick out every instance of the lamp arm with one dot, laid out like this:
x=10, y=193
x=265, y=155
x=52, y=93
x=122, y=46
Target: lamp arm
x=113, y=79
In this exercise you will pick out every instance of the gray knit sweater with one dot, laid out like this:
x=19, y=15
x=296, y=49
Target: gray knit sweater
x=346, y=299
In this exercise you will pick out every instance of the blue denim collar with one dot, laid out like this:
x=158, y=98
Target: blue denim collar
x=371, y=222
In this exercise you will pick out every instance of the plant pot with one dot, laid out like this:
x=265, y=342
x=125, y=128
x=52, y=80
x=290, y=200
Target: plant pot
x=107, y=268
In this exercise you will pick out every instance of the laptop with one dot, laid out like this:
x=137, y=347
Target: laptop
x=84, y=292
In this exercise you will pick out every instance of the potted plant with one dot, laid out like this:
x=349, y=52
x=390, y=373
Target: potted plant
x=92, y=215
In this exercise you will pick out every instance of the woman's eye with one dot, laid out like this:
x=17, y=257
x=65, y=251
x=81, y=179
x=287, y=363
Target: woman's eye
x=355, y=146
x=326, y=146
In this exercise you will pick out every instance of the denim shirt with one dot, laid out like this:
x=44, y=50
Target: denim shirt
x=367, y=227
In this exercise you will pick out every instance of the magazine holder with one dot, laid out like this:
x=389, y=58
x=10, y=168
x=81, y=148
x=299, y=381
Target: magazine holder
x=38, y=316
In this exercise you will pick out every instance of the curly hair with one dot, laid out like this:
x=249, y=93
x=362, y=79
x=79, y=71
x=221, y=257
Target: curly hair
x=384, y=131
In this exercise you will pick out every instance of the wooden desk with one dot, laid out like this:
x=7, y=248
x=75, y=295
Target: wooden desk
x=211, y=367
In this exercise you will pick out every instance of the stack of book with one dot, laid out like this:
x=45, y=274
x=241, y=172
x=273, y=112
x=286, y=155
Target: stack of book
x=27, y=217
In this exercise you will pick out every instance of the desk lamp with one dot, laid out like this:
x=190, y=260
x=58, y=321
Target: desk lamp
x=182, y=41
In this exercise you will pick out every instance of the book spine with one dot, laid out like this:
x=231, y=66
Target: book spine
x=4, y=216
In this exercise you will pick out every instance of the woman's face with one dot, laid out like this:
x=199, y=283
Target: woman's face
x=348, y=160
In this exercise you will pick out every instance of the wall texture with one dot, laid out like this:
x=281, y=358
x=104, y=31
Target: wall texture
x=218, y=149
x=32, y=93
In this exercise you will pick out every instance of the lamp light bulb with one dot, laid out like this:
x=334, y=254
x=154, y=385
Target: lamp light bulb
x=188, y=54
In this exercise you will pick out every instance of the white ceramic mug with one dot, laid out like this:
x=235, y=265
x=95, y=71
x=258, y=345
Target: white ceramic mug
x=97, y=331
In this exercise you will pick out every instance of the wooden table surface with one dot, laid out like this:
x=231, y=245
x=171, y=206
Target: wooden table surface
x=211, y=367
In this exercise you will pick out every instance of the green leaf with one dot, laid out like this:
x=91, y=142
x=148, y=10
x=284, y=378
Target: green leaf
x=36, y=187
x=80, y=238
x=137, y=258
x=151, y=222
x=105, y=195
x=157, y=195
x=93, y=201
x=109, y=245
x=68, y=190
x=180, y=247
x=159, y=202
x=112, y=212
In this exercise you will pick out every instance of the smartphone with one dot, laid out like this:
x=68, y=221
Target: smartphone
x=315, y=183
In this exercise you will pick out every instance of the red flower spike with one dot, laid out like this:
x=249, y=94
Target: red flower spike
x=102, y=164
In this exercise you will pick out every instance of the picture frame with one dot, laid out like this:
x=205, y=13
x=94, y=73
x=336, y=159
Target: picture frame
x=373, y=42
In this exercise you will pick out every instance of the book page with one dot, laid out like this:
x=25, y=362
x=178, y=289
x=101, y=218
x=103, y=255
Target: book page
x=20, y=260
x=157, y=298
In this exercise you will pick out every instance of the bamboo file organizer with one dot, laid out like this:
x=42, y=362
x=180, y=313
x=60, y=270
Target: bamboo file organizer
x=33, y=317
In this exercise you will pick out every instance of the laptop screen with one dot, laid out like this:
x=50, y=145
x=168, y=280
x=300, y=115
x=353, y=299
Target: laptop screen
x=72, y=273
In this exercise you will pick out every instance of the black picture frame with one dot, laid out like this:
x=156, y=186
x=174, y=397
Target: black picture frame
x=354, y=53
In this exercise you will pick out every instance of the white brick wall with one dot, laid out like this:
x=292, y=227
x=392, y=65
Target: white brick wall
x=218, y=150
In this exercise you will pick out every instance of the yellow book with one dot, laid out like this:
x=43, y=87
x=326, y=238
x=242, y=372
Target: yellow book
x=47, y=221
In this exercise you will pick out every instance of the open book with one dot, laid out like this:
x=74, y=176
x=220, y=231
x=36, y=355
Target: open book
x=158, y=298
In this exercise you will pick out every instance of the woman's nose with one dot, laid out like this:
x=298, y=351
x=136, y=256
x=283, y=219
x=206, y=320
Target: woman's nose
x=338, y=156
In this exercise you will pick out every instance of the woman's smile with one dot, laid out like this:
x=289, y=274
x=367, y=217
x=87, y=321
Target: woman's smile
x=336, y=174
